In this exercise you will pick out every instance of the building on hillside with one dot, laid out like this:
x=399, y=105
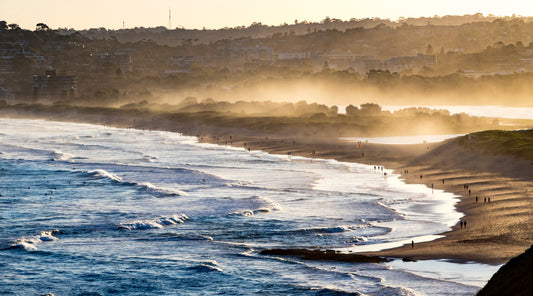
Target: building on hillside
x=6, y=64
x=52, y=86
x=400, y=64
x=13, y=55
x=241, y=55
x=292, y=55
x=118, y=60
x=300, y=60
x=183, y=64
x=340, y=61
x=62, y=45
x=363, y=64
x=6, y=95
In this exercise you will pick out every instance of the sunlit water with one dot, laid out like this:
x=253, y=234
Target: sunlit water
x=482, y=111
x=92, y=210
x=400, y=140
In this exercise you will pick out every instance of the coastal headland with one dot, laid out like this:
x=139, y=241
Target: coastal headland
x=490, y=172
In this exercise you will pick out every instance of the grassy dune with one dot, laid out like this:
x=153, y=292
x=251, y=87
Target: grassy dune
x=514, y=143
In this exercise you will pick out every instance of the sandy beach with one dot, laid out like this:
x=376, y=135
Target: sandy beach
x=495, y=231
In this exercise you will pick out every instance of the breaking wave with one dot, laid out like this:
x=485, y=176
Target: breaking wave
x=254, y=205
x=30, y=242
x=157, y=190
x=103, y=174
x=156, y=223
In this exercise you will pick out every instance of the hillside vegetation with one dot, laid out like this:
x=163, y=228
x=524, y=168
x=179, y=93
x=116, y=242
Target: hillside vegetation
x=497, y=142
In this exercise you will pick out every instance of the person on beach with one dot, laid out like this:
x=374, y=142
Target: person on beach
x=464, y=223
x=461, y=222
x=412, y=244
x=476, y=198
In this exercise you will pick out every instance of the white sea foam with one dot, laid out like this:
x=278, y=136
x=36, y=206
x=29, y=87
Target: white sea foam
x=59, y=155
x=207, y=266
x=100, y=174
x=398, y=291
x=155, y=223
x=30, y=242
x=255, y=204
x=243, y=213
x=149, y=158
x=238, y=184
x=149, y=187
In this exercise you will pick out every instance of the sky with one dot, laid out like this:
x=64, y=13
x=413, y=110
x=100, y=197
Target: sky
x=214, y=14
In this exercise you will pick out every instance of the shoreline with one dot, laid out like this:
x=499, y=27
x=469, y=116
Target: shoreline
x=490, y=236
x=495, y=232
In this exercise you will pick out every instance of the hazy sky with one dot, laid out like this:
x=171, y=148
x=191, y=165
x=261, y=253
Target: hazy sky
x=84, y=14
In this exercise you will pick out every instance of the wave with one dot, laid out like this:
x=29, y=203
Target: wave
x=30, y=242
x=149, y=158
x=254, y=205
x=239, y=184
x=333, y=292
x=103, y=174
x=207, y=266
x=156, y=223
x=60, y=155
x=150, y=188
x=397, y=291
x=142, y=186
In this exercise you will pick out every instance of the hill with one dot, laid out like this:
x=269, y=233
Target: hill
x=514, y=278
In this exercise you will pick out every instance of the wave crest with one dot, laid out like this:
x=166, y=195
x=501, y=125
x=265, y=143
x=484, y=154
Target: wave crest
x=30, y=242
x=60, y=155
x=149, y=187
x=156, y=223
x=103, y=174
x=255, y=204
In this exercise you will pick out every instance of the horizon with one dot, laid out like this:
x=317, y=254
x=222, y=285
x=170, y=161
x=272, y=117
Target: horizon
x=213, y=14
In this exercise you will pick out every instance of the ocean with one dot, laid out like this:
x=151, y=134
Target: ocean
x=95, y=210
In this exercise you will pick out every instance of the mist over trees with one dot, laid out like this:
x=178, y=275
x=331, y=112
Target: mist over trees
x=472, y=59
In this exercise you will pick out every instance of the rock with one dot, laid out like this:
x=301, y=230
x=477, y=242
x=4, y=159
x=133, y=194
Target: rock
x=514, y=278
x=307, y=254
